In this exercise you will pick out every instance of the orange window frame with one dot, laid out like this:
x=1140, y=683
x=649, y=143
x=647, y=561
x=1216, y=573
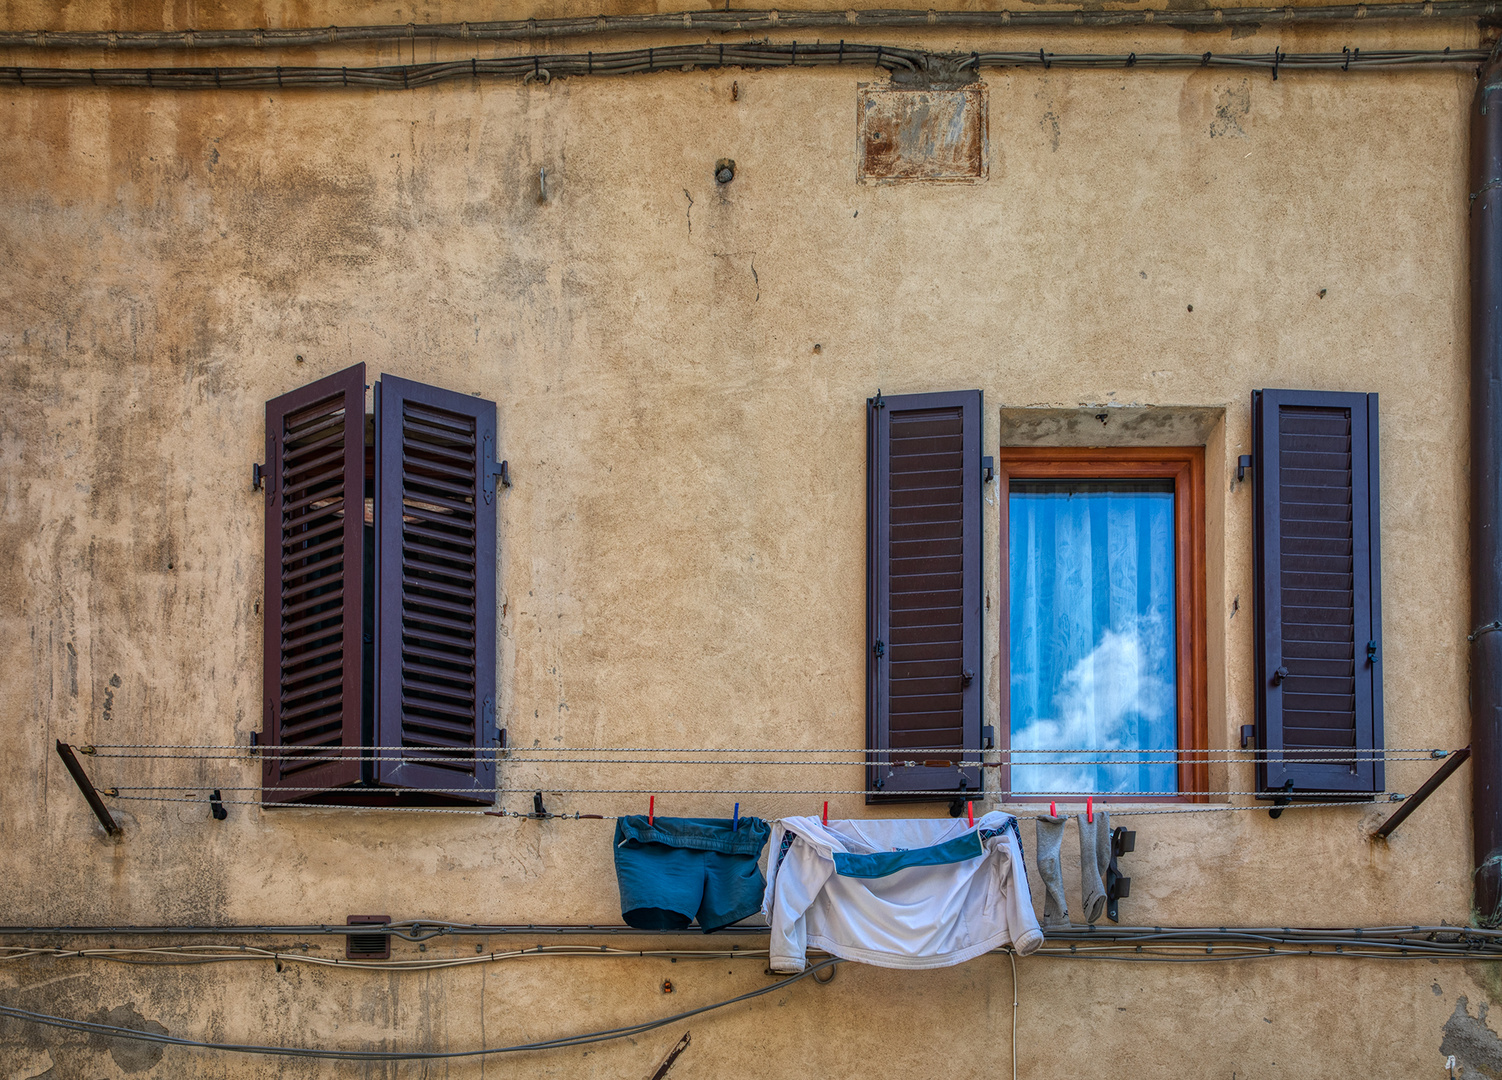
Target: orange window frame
x=1185, y=466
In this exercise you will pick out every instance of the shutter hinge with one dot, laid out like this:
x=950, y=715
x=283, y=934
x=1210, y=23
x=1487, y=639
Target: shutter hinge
x=490, y=468
x=988, y=737
x=878, y=402
x=880, y=649
x=1243, y=463
x=257, y=477
x=987, y=470
x=1248, y=734
x=1371, y=652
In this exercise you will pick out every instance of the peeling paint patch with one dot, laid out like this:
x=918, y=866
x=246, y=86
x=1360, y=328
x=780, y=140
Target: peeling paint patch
x=1476, y=1047
x=922, y=135
x=1233, y=106
x=131, y=1056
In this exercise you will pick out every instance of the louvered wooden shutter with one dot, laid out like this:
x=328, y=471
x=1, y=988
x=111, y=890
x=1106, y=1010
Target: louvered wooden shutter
x=1318, y=617
x=924, y=592
x=314, y=480
x=435, y=552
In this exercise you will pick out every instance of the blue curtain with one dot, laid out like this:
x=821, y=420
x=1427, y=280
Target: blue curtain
x=1092, y=635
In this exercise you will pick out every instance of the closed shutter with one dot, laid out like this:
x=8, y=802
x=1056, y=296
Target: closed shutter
x=1319, y=682
x=314, y=480
x=924, y=591
x=435, y=550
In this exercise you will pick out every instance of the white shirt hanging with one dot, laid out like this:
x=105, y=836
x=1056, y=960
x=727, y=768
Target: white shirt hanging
x=924, y=893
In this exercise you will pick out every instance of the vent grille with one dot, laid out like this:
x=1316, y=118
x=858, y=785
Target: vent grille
x=367, y=946
x=927, y=579
x=1317, y=567
x=440, y=498
x=314, y=635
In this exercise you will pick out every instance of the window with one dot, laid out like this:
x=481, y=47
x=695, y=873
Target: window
x=1103, y=620
x=380, y=594
x=924, y=593
x=1319, y=622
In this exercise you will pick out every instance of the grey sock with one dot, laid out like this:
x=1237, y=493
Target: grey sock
x=1092, y=885
x=1050, y=840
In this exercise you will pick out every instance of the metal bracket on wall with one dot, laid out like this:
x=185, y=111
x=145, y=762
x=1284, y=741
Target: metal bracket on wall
x=1243, y=463
x=1118, y=887
x=86, y=786
x=1443, y=773
x=1283, y=799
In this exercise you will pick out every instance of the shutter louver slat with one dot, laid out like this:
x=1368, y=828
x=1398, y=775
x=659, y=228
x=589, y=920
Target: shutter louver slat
x=924, y=587
x=314, y=566
x=1318, y=588
x=436, y=554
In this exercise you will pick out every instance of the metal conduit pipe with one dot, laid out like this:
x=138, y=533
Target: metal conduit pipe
x=742, y=21
x=1486, y=489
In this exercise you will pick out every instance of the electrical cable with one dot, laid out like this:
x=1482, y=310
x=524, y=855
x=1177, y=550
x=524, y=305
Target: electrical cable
x=92, y=1028
x=690, y=57
x=741, y=21
x=1012, y=956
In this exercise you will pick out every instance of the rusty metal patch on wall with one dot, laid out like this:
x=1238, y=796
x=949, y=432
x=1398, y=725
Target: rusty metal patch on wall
x=929, y=135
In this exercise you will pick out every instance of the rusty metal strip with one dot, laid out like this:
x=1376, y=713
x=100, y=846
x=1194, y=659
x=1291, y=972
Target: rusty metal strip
x=86, y=786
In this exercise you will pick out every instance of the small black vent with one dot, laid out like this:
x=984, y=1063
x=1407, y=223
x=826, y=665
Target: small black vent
x=367, y=946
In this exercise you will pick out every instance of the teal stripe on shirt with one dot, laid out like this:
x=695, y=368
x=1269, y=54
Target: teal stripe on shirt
x=883, y=863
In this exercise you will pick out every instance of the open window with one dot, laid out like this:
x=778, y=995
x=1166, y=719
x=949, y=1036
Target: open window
x=1102, y=619
x=380, y=595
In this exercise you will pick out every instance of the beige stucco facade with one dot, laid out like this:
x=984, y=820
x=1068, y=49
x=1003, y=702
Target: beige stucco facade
x=681, y=371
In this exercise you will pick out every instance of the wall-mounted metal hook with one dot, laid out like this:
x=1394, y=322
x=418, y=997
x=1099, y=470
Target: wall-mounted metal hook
x=1281, y=801
x=216, y=806
x=1243, y=463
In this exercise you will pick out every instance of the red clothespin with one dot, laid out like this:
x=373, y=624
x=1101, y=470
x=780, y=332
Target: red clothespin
x=970, y=812
x=1090, y=810
x=651, y=808
x=826, y=812
x=1053, y=810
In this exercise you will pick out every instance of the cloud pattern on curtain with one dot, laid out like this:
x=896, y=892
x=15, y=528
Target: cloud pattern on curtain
x=1092, y=633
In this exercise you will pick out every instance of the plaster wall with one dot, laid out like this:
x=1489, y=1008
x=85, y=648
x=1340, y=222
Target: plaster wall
x=681, y=370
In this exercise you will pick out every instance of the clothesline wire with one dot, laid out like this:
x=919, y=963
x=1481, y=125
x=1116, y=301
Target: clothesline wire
x=974, y=795
x=555, y=816
x=1357, y=753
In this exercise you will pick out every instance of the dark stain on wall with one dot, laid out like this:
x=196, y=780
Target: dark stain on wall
x=130, y=1055
x=1476, y=1047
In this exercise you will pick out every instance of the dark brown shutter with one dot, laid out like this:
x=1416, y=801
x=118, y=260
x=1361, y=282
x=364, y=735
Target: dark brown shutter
x=924, y=592
x=315, y=470
x=1319, y=648
x=435, y=553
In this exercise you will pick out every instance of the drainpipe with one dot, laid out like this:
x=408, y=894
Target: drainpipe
x=1486, y=490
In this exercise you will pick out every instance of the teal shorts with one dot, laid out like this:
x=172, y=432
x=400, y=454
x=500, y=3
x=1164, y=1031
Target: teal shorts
x=680, y=870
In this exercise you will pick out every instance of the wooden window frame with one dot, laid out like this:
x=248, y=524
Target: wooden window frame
x=1185, y=466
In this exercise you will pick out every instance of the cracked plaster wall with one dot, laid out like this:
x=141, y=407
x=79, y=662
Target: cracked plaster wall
x=681, y=370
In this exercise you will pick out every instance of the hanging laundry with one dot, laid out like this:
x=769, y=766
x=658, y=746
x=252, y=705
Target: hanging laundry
x=1095, y=856
x=905, y=894
x=1051, y=870
x=674, y=871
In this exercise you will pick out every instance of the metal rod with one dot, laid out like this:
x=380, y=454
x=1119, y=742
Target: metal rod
x=1485, y=207
x=699, y=22
x=86, y=786
x=1412, y=803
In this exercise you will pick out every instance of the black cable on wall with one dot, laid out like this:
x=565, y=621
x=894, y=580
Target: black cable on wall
x=545, y=67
